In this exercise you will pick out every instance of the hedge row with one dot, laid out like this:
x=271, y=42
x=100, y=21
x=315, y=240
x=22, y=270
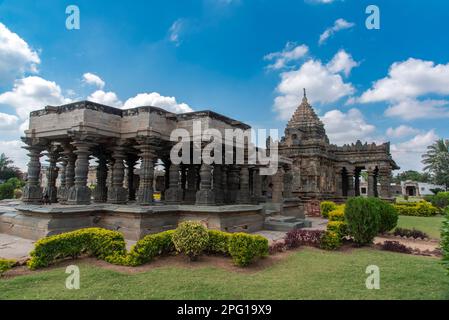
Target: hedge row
x=110, y=246
x=419, y=209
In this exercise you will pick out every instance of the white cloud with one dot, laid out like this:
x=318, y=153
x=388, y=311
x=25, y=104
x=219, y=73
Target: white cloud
x=342, y=62
x=32, y=93
x=156, y=100
x=339, y=24
x=8, y=122
x=401, y=131
x=291, y=52
x=13, y=150
x=93, y=79
x=347, y=127
x=409, y=79
x=408, y=154
x=175, y=31
x=107, y=98
x=410, y=109
x=16, y=56
x=322, y=86
x=320, y=1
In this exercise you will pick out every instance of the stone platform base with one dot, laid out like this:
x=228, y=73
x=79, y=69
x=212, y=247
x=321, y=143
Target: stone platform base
x=35, y=222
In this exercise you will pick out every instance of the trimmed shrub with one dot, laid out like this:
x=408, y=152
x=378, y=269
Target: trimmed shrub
x=298, y=237
x=6, y=264
x=110, y=246
x=445, y=240
x=338, y=214
x=388, y=215
x=18, y=194
x=244, y=248
x=191, y=238
x=410, y=233
x=218, y=242
x=363, y=219
x=100, y=243
x=330, y=241
x=395, y=246
x=6, y=191
x=339, y=227
x=439, y=200
x=419, y=209
x=326, y=207
x=276, y=246
x=145, y=249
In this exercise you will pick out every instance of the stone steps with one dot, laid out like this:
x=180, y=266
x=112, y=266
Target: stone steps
x=284, y=223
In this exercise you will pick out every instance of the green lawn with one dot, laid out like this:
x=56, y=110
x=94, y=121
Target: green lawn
x=429, y=225
x=305, y=274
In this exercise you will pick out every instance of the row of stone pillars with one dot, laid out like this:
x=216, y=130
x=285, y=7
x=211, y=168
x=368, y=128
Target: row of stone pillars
x=348, y=182
x=190, y=184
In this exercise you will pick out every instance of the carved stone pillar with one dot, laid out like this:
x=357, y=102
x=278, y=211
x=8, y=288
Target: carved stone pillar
x=224, y=184
x=288, y=184
x=233, y=183
x=243, y=196
x=190, y=195
x=257, y=186
x=385, y=182
x=117, y=194
x=173, y=195
x=371, y=182
x=101, y=189
x=205, y=196
x=52, y=174
x=130, y=163
x=218, y=185
x=62, y=190
x=32, y=192
x=79, y=193
x=339, y=182
x=278, y=186
x=145, y=192
x=357, y=182
x=350, y=176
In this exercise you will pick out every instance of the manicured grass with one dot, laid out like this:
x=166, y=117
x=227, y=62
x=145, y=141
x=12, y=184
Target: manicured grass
x=429, y=225
x=305, y=274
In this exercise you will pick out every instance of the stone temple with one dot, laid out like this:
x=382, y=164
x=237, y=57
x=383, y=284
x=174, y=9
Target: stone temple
x=227, y=196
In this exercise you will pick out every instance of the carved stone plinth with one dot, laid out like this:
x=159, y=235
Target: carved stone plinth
x=205, y=196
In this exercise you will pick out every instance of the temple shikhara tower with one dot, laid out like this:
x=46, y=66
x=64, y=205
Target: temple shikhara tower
x=126, y=153
x=325, y=171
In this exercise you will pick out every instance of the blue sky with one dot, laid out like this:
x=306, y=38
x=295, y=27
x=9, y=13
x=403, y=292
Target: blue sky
x=246, y=59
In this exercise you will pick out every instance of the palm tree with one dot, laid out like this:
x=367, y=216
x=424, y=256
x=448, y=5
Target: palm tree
x=436, y=161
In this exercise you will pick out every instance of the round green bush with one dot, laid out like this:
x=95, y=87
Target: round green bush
x=388, y=215
x=363, y=219
x=326, y=207
x=190, y=238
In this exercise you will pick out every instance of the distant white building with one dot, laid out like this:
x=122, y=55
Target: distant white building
x=419, y=189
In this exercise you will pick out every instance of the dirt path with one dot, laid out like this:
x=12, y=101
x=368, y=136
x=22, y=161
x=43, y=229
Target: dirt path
x=421, y=245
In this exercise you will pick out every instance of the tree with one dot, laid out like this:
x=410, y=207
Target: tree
x=7, y=170
x=436, y=161
x=413, y=176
